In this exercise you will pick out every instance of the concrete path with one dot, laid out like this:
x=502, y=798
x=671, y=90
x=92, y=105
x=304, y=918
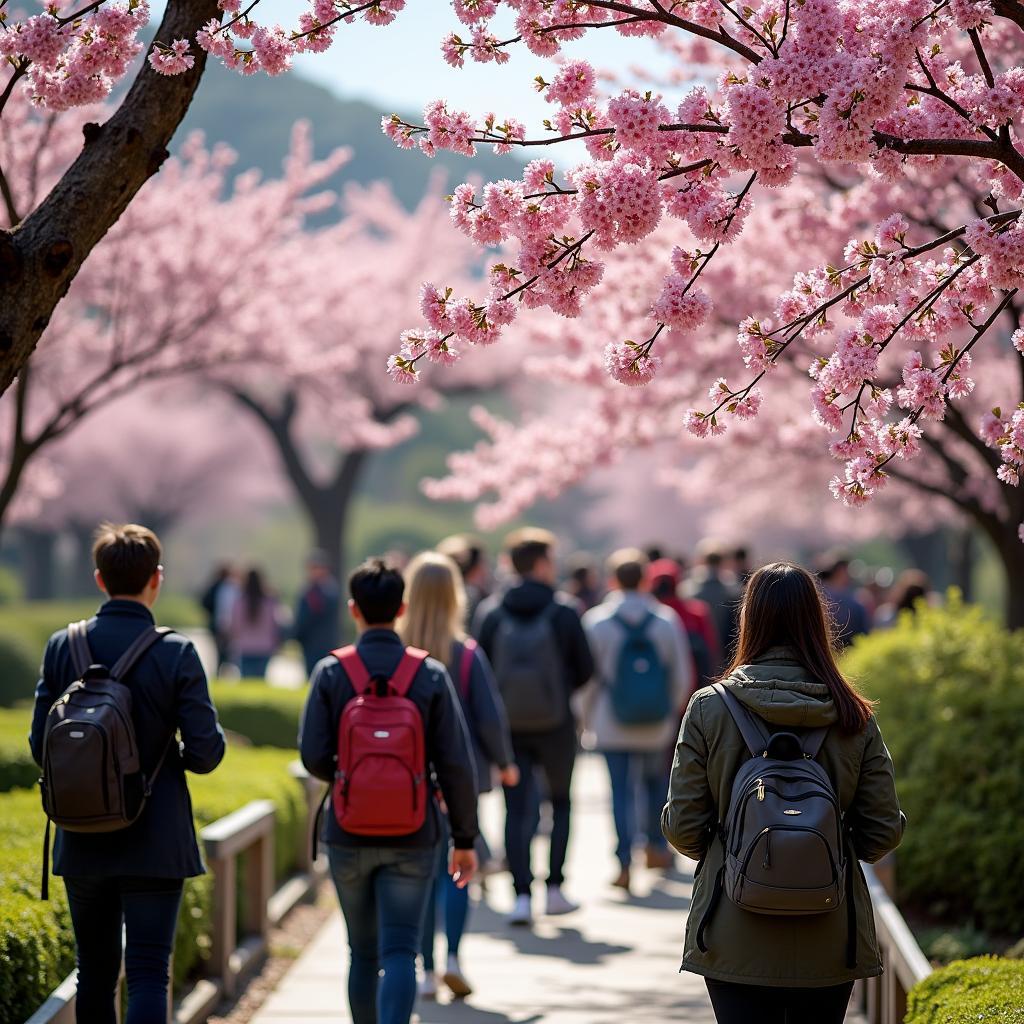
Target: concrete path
x=614, y=961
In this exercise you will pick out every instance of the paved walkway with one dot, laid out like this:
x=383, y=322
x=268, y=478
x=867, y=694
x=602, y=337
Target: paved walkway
x=614, y=961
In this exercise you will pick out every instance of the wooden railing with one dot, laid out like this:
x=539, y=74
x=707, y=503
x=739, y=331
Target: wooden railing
x=884, y=1000
x=246, y=834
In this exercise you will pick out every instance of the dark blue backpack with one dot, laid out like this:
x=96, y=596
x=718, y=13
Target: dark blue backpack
x=640, y=689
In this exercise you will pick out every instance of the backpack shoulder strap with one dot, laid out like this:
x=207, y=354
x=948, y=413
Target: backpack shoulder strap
x=812, y=741
x=355, y=669
x=469, y=646
x=81, y=656
x=140, y=645
x=407, y=669
x=753, y=732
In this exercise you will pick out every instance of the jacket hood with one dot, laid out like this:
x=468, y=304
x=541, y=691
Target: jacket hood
x=527, y=598
x=781, y=691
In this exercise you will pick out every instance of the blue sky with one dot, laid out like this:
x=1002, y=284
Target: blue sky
x=400, y=66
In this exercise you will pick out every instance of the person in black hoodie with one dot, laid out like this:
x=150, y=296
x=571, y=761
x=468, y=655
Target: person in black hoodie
x=535, y=641
x=383, y=881
x=132, y=878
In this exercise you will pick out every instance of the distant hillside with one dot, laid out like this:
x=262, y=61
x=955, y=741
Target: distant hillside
x=255, y=117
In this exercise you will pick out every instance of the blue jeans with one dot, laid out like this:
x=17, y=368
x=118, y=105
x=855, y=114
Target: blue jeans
x=383, y=893
x=148, y=909
x=633, y=774
x=253, y=666
x=447, y=898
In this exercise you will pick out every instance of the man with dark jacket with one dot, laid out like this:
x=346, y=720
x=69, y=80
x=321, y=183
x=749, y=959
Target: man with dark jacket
x=535, y=641
x=133, y=876
x=383, y=881
x=317, y=625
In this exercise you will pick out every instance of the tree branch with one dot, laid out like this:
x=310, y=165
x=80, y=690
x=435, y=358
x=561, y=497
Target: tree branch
x=40, y=257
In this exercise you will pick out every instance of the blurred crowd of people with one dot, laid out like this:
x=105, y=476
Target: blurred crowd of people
x=249, y=623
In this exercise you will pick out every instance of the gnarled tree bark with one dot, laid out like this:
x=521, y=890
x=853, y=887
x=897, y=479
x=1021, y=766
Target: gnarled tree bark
x=40, y=256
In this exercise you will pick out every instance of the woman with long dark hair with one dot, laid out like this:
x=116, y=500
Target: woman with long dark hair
x=256, y=626
x=762, y=958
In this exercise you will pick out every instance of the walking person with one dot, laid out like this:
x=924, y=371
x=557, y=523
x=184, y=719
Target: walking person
x=535, y=641
x=317, y=625
x=433, y=621
x=711, y=583
x=255, y=627
x=380, y=723
x=781, y=785
x=220, y=595
x=631, y=707
x=470, y=555
x=128, y=879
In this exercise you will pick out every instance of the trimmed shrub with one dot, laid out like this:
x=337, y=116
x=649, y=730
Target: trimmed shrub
x=267, y=716
x=950, y=690
x=985, y=990
x=17, y=769
x=34, y=622
x=19, y=667
x=36, y=942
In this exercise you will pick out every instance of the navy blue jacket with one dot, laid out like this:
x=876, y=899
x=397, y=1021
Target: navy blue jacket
x=317, y=624
x=484, y=711
x=169, y=690
x=448, y=746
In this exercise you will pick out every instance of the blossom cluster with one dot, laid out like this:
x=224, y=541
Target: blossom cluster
x=72, y=61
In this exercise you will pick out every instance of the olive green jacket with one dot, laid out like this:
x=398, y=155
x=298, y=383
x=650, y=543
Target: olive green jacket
x=807, y=951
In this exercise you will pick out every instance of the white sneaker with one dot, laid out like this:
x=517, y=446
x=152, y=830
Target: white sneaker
x=427, y=986
x=522, y=913
x=557, y=903
x=456, y=980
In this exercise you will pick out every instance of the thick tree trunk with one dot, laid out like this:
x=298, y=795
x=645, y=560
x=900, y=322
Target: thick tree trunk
x=1011, y=551
x=327, y=505
x=329, y=512
x=963, y=557
x=40, y=256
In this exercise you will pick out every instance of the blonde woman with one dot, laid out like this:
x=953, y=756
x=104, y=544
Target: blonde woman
x=433, y=621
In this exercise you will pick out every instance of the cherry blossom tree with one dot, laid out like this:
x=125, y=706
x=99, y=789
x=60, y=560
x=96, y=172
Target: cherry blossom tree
x=767, y=474
x=227, y=289
x=892, y=88
x=328, y=417
x=179, y=287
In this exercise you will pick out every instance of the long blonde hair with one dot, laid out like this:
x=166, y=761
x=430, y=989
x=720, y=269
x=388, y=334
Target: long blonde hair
x=435, y=605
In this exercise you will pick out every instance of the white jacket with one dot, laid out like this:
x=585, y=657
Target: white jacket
x=601, y=729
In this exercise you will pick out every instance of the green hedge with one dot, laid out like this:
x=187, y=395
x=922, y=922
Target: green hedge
x=267, y=716
x=36, y=944
x=25, y=626
x=985, y=990
x=16, y=765
x=950, y=690
x=19, y=666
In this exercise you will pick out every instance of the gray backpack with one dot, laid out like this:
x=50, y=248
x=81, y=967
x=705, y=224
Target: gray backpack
x=528, y=669
x=783, y=834
x=93, y=779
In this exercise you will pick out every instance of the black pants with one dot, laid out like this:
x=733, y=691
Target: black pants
x=148, y=908
x=553, y=754
x=745, y=1004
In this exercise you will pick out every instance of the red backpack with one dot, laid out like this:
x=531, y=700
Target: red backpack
x=380, y=788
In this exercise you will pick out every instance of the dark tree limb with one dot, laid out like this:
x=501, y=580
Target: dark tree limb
x=40, y=256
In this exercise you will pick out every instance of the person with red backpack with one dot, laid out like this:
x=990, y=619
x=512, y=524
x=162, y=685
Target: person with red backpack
x=382, y=724
x=433, y=621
